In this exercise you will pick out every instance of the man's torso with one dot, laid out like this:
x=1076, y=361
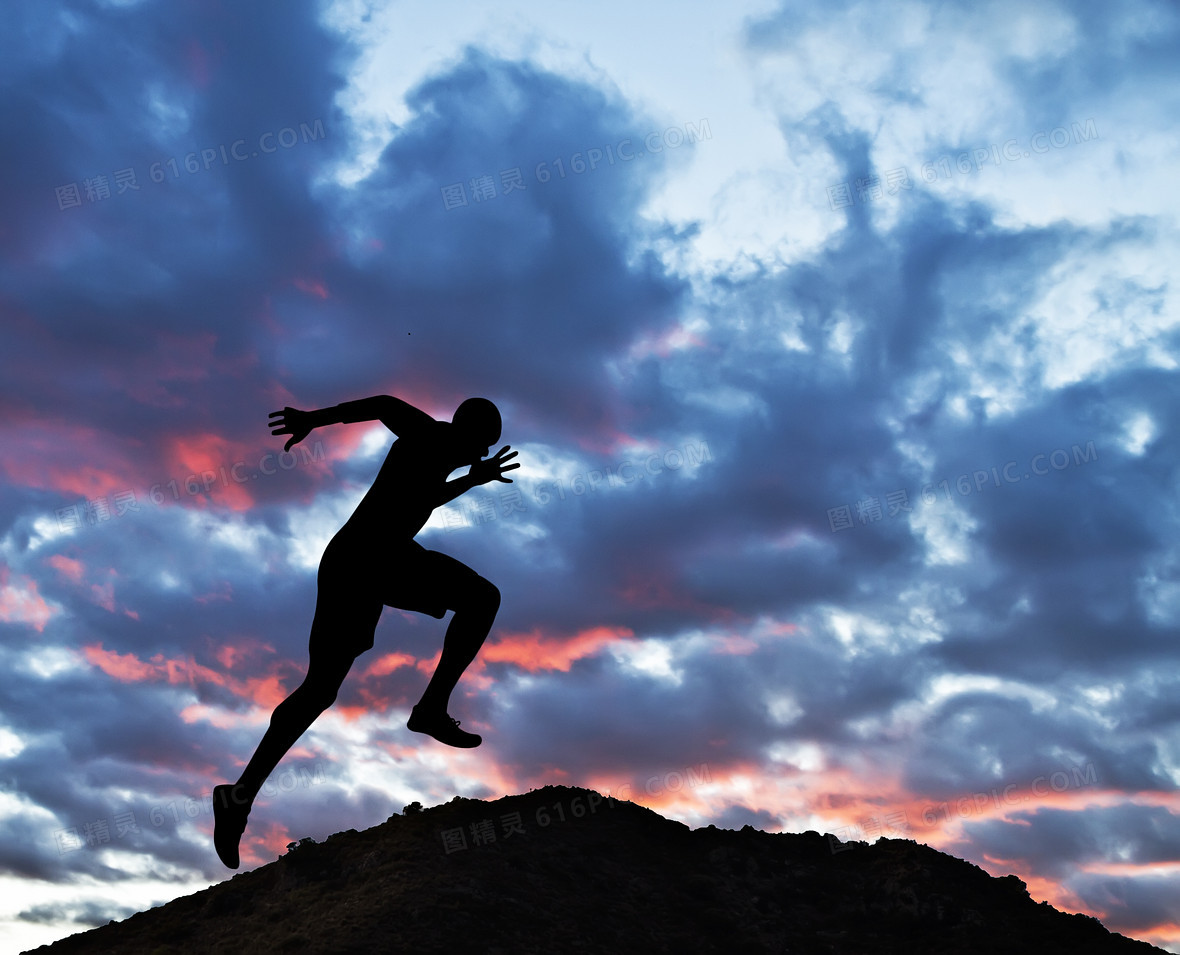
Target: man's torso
x=408, y=487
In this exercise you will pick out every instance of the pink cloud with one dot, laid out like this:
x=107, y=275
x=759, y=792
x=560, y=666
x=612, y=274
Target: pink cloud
x=535, y=651
x=20, y=603
x=265, y=691
x=68, y=567
x=312, y=287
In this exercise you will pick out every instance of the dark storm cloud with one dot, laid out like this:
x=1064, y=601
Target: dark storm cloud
x=979, y=740
x=886, y=357
x=1061, y=842
x=141, y=297
x=1133, y=904
x=92, y=913
x=525, y=294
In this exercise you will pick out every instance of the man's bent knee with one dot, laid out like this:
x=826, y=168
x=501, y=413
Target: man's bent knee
x=312, y=695
x=483, y=596
x=320, y=686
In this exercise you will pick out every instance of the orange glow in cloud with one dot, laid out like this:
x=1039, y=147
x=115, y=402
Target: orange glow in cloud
x=397, y=750
x=777, y=629
x=350, y=714
x=312, y=287
x=674, y=338
x=534, y=651
x=481, y=766
x=734, y=644
x=45, y=454
x=264, y=691
x=243, y=648
x=198, y=63
x=125, y=667
x=20, y=603
x=29, y=460
x=214, y=464
x=871, y=807
x=68, y=567
x=260, y=849
x=185, y=358
x=386, y=664
x=104, y=596
x=223, y=592
x=837, y=800
x=655, y=590
x=1168, y=869
x=611, y=441
x=213, y=715
x=428, y=666
x=699, y=791
x=1041, y=889
x=375, y=700
x=1166, y=935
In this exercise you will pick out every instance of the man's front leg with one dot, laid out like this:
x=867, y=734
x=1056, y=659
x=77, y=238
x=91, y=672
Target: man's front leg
x=465, y=635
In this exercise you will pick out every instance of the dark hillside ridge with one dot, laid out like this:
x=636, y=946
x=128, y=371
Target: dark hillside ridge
x=561, y=869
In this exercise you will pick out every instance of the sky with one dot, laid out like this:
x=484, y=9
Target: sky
x=838, y=344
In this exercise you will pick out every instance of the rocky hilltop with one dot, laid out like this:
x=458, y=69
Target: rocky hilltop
x=561, y=869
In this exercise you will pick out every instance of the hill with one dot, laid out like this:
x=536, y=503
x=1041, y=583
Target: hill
x=561, y=869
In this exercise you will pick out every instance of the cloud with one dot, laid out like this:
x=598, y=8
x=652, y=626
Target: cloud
x=867, y=518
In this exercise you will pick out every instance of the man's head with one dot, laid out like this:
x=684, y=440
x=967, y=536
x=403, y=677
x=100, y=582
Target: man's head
x=478, y=422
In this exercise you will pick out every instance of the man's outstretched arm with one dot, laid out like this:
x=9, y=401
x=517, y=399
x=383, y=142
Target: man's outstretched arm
x=491, y=469
x=398, y=416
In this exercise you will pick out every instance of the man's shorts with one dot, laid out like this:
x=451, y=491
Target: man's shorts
x=361, y=574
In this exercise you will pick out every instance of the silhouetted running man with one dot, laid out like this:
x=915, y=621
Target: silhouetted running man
x=374, y=561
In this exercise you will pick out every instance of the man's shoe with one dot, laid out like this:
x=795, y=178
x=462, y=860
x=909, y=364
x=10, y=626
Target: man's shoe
x=229, y=822
x=443, y=728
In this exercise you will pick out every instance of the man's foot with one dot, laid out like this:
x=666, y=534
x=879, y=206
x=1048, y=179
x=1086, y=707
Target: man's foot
x=230, y=810
x=442, y=727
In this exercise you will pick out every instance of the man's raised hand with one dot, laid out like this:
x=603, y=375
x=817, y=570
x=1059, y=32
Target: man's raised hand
x=494, y=467
x=291, y=421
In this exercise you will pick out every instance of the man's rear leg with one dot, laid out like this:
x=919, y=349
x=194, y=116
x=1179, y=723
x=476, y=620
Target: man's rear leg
x=290, y=720
x=469, y=627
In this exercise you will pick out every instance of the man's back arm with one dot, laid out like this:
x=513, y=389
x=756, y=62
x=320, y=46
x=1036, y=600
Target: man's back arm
x=398, y=416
